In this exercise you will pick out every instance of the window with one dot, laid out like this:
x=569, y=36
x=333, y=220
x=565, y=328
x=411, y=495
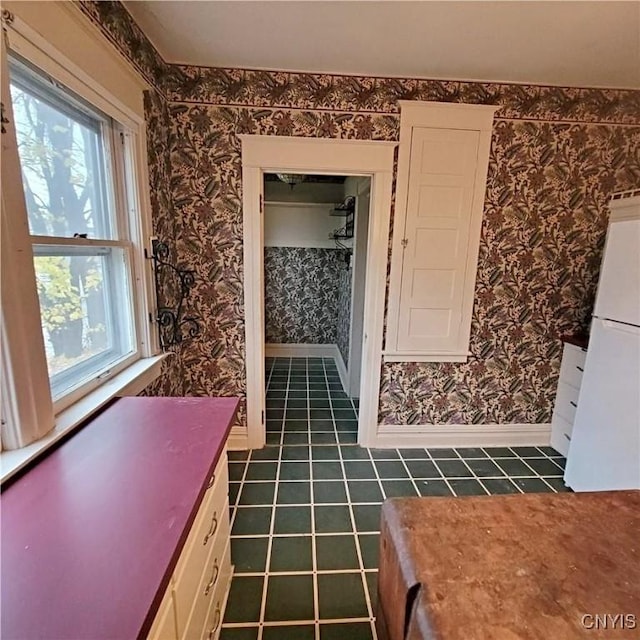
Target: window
x=76, y=289
x=82, y=256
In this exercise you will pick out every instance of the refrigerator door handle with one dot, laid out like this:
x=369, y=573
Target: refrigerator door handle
x=620, y=326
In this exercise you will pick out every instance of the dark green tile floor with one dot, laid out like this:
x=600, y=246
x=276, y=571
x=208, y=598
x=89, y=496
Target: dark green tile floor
x=306, y=509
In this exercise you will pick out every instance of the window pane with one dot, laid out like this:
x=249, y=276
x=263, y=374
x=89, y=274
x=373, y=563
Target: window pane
x=78, y=307
x=62, y=158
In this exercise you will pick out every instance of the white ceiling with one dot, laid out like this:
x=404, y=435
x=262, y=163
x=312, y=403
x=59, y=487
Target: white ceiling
x=587, y=44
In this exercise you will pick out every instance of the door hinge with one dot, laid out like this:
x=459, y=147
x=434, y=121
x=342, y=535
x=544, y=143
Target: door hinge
x=3, y=119
x=405, y=242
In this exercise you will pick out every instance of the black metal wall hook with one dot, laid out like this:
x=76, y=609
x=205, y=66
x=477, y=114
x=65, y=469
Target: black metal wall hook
x=173, y=326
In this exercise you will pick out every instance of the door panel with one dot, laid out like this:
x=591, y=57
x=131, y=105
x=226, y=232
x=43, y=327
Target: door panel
x=440, y=201
x=439, y=205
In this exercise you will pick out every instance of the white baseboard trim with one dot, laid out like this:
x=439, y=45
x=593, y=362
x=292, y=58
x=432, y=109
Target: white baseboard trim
x=461, y=435
x=342, y=369
x=238, y=439
x=296, y=350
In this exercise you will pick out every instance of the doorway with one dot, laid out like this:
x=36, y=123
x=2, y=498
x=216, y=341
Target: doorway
x=315, y=249
x=312, y=156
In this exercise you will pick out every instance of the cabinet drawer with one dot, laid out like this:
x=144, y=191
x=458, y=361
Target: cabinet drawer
x=211, y=630
x=572, y=367
x=211, y=522
x=212, y=574
x=566, y=401
x=164, y=626
x=560, y=433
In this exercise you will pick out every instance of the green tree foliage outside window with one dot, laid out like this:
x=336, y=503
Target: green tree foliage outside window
x=62, y=164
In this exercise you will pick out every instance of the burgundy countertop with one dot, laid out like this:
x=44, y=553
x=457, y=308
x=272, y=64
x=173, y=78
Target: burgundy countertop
x=91, y=535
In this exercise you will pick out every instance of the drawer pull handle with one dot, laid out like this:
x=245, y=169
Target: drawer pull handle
x=580, y=369
x=212, y=479
x=573, y=404
x=214, y=578
x=216, y=624
x=212, y=528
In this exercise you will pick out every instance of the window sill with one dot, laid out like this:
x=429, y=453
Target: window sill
x=129, y=382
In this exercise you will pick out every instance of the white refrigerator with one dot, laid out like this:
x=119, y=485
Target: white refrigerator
x=604, y=452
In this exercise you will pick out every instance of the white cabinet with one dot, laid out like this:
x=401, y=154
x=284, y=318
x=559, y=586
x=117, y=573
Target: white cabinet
x=442, y=170
x=441, y=181
x=164, y=626
x=564, y=410
x=193, y=605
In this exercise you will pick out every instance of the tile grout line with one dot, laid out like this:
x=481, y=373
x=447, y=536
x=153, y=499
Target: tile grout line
x=534, y=453
x=446, y=480
x=548, y=485
x=515, y=484
x=284, y=415
x=390, y=479
x=314, y=558
x=473, y=476
x=284, y=408
x=413, y=480
x=265, y=586
x=293, y=623
x=537, y=475
x=236, y=502
x=285, y=400
x=356, y=537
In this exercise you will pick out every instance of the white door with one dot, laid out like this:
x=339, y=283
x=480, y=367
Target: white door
x=605, y=443
x=439, y=204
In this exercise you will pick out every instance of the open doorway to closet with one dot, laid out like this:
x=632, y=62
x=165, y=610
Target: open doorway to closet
x=315, y=253
x=351, y=159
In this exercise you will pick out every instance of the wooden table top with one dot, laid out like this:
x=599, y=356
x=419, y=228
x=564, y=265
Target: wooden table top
x=526, y=567
x=91, y=535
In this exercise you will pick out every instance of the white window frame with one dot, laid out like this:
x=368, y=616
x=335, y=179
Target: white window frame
x=437, y=115
x=26, y=399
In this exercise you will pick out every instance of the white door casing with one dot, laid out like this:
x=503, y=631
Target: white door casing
x=442, y=169
x=363, y=201
x=270, y=154
x=253, y=252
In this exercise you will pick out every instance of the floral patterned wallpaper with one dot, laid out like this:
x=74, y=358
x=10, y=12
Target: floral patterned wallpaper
x=125, y=35
x=178, y=377
x=301, y=294
x=170, y=382
x=557, y=155
x=543, y=231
